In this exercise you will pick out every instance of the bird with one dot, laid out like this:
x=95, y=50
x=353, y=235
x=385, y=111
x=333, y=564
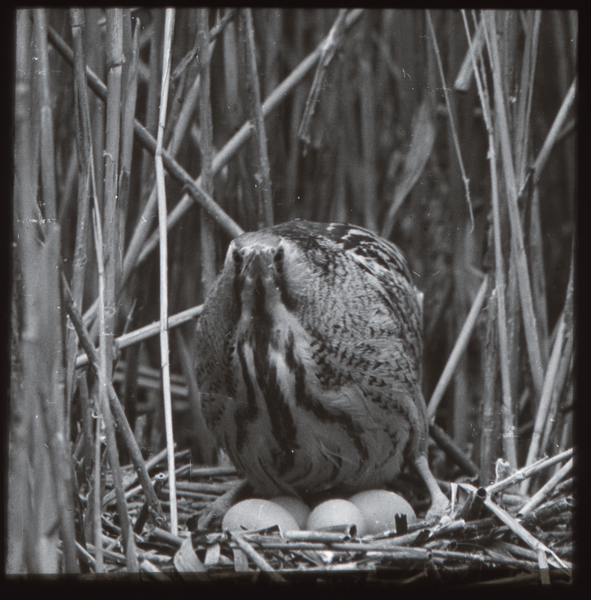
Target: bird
x=309, y=355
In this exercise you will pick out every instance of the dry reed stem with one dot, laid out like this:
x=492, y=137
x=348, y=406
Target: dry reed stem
x=162, y=211
x=543, y=493
x=97, y=527
x=553, y=135
x=263, y=170
x=522, y=136
x=24, y=501
x=129, y=108
x=528, y=471
x=487, y=413
x=258, y=560
x=110, y=224
x=148, y=331
x=85, y=188
x=207, y=240
x=46, y=118
x=458, y=350
x=507, y=406
x=122, y=424
x=537, y=365
x=243, y=134
x=464, y=77
x=103, y=409
x=545, y=400
x=450, y=113
x=517, y=528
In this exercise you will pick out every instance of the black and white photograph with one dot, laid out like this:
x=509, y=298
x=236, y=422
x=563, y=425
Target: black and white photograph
x=293, y=296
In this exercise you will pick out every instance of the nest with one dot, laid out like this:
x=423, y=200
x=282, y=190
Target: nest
x=491, y=535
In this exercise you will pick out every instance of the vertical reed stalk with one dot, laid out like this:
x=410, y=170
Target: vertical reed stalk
x=164, y=351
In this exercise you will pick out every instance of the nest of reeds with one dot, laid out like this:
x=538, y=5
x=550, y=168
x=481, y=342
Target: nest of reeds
x=493, y=535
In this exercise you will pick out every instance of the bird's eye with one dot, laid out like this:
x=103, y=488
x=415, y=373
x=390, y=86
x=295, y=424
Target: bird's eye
x=238, y=260
x=278, y=259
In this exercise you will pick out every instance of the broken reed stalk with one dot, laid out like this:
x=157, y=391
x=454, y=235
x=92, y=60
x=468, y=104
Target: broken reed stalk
x=547, y=488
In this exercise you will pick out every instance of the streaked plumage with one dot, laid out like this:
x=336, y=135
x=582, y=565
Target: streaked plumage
x=309, y=360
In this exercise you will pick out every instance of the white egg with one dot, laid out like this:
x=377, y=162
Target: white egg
x=256, y=513
x=379, y=509
x=298, y=510
x=337, y=512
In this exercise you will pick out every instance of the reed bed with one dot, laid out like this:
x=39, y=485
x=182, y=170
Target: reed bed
x=146, y=139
